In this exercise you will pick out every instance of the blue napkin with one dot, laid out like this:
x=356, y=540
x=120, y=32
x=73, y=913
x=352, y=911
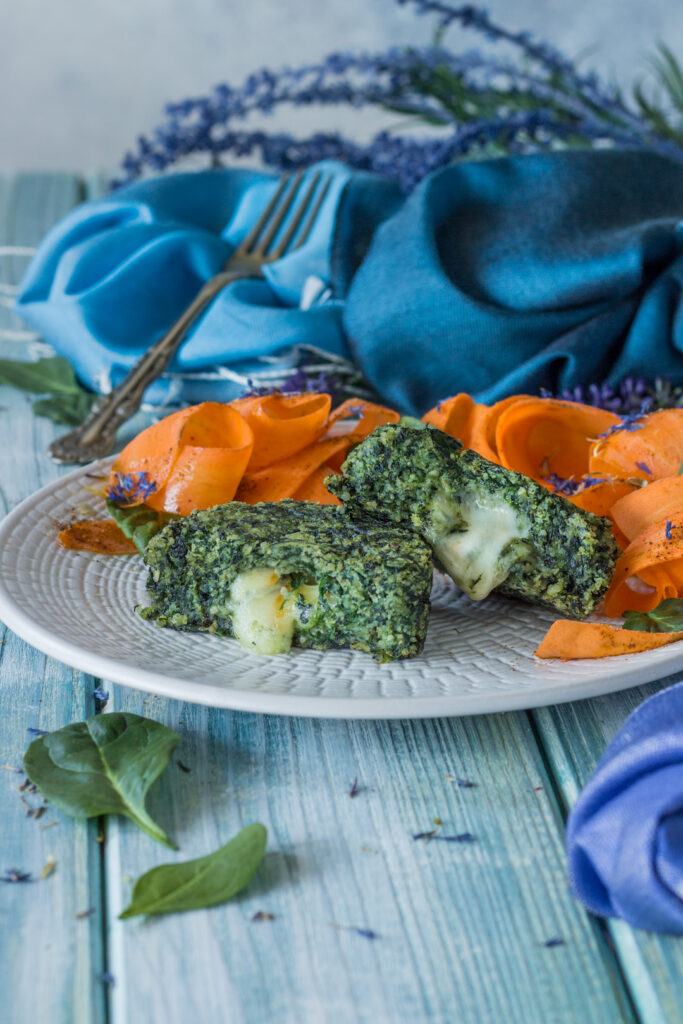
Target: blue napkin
x=625, y=833
x=505, y=276
x=550, y=270
x=114, y=274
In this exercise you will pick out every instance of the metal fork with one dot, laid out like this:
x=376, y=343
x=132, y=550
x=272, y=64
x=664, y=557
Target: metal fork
x=269, y=240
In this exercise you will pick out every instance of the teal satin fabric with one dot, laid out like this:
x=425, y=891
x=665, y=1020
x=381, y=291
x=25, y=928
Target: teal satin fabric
x=506, y=276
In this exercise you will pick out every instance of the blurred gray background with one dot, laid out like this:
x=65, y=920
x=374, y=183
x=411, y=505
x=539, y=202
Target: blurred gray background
x=79, y=79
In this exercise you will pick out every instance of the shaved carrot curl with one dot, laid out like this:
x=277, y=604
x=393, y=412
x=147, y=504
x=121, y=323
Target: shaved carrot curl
x=649, y=570
x=313, y=489
x=102, y=536
x=472, y=424
x=478, y=433
x=154, y=450
x=369, y=416
x=567, y=639
x=599, y=498
x=452, y=416
x=196, y=457
x=540, y=436
x=659, y=501
x=284, y=479
x=649, y=448
x=282, y=424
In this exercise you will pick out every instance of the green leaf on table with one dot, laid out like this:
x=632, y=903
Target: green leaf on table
x=139, y=522
x=46, y=376
x=667, y=617
x=71, y=409
x=104, y=765
x=203, y=882
x=68, y=402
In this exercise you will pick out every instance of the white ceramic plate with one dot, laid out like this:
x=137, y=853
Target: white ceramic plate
x=78, y=607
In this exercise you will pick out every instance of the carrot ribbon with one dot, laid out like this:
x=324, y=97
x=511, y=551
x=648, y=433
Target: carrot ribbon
x=568, y=640
x=282, y=425
x=195, y=457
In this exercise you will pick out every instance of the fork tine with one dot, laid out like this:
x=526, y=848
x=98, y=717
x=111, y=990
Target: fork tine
x=283, y=243
x=247, y=244
x=278, y=220
x=313, y=213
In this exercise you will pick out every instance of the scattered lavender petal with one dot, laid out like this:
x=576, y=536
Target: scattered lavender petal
x=16, y=875
x=463, y=837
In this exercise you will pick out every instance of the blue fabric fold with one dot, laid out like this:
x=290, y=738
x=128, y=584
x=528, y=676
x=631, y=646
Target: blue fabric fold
x=114, y=275
x=549, y=270
x=625, y=833
x=511, y=275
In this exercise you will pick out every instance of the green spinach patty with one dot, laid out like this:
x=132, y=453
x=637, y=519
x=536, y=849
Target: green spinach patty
x=489, y=527
x=277, y=574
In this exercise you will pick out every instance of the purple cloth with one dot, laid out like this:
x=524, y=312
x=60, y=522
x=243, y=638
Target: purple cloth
x=625, y=833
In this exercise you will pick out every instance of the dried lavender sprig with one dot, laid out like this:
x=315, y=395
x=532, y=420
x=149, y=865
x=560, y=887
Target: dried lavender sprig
x=600, y=94
x=581, y=106
x=404, y=158
x=628, y=396
x=590, y=85
x=569, y=486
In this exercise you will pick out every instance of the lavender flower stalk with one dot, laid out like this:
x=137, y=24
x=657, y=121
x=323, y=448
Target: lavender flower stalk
x=483, y=104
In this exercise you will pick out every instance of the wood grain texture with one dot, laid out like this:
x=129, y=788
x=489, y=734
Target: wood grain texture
x=574, y=737
x=460, y=925
x=50, y=959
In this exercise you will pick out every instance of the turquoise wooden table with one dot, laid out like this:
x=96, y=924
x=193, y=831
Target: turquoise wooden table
x=476, y=932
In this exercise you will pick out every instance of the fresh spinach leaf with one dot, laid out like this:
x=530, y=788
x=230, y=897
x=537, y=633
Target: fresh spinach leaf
x=69, y=409
x=46, y=376
x=68, y=402
x=139, y=522
x=203, y=882
x=104, y=765
x=667, y=617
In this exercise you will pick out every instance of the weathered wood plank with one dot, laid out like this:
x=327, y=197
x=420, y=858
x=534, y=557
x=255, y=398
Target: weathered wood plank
x=461, y=926
x=574, y=737
x=50, y=959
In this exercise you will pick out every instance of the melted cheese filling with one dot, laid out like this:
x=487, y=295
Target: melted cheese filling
x=480, y=555
x=265, y=609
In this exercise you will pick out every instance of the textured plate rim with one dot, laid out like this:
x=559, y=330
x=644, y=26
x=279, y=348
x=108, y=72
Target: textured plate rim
x=636, y=669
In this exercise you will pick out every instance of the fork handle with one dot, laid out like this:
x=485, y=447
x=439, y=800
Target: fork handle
x=94, y=438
